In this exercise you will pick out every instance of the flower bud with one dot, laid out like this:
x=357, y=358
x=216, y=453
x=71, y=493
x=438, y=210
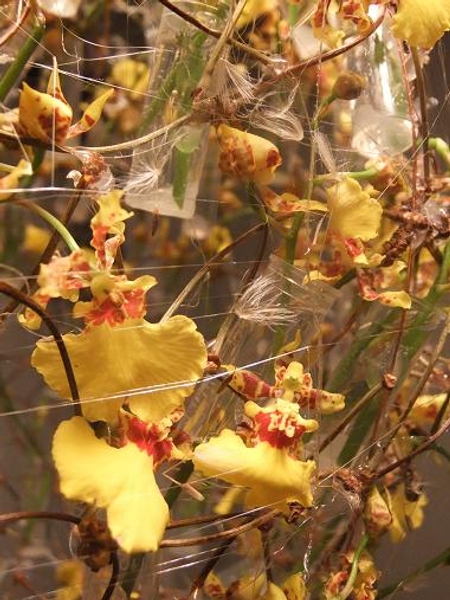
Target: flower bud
x=348, y=86
x=376, y=514
x=247, y=156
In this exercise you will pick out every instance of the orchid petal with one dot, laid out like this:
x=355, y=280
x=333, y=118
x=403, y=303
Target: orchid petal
x=121, y=480
x=421, y=23
x=152, y=367
x=91, y=115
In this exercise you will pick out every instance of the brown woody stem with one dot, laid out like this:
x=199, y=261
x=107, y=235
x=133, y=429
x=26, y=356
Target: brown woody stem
x=22, y=298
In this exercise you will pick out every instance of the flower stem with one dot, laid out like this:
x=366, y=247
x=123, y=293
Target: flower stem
x=13, y=72
x=354, y=571
x=54, y=222
x=12, y=292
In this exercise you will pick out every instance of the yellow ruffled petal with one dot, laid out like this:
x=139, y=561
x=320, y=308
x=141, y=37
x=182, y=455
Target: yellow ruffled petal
x=353, y=213
x=272, y=475
x=43, y=116
x=121, y=480
x=421, y=22
x=128, y=359
x=91, y=115
x=247, y=156
x=12, y=180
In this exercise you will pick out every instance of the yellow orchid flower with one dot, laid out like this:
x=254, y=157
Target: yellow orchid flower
x=291, y=383
x=355, y=217
x=420, y=23
x=115, y=298
x=297, y=386
x=247, y=156
x=350, y=11
x=353, y=213
x=62, y=277
x=321, y=27
x=48, y=116
x=120, y=480
x=269, y=468
x=406, y=514
x=12, y=179
x=151, y=367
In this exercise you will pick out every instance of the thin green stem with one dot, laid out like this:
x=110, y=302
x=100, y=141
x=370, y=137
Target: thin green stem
x=354, y=571
x=14, y=71
x=54, y=222
x=358, y=175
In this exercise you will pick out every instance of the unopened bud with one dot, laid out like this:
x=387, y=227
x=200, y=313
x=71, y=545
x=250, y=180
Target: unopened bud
x=376, y=513
x=348, y=86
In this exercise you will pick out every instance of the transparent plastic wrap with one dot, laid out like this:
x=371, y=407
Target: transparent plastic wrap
x=381, y=123
x=278, y=307
x=165, y=174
